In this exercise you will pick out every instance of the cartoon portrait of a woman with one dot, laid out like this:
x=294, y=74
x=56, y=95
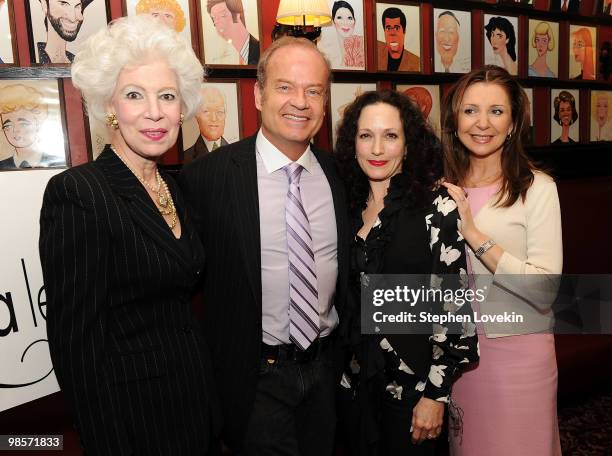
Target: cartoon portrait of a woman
x=342, y=41
x=582, y=52
x=168, y=11
x=501, y=34
x=543, y=41
x=565, y=115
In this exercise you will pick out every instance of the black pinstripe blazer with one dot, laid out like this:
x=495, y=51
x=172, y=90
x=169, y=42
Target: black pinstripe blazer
x=128, y=354
x=222, y=190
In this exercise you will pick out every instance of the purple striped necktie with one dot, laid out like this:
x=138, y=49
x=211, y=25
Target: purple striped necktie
x=303, y=297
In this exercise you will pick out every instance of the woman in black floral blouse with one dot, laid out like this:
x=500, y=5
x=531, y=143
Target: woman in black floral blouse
x=395, y=387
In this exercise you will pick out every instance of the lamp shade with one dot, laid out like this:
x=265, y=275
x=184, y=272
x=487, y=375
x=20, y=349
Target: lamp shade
x=303, y=12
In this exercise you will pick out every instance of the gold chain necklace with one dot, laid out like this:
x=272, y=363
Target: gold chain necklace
x=164, y=199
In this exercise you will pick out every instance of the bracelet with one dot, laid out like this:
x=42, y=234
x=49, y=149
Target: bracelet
x=484, y=247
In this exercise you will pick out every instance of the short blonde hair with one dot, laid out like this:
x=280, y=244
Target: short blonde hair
x=543, y=28
x=145, y=6
x=19, y=96
x=130, y=41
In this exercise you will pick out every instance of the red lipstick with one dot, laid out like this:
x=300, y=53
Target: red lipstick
x=377, y=162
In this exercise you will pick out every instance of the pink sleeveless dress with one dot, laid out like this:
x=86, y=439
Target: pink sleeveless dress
x=509, y=399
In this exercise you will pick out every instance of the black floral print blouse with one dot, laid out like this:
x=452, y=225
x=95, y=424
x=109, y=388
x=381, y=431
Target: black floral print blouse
x=405, y=240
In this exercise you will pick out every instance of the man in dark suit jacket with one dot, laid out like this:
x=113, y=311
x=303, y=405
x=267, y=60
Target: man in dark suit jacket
x=573, y=6
x=277, y=388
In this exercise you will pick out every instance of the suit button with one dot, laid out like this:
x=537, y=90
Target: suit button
x=198, y=272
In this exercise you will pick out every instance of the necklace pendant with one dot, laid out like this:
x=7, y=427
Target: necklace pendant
x=163, y=201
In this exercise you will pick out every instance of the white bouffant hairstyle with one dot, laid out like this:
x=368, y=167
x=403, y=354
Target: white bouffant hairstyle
x=130, y=41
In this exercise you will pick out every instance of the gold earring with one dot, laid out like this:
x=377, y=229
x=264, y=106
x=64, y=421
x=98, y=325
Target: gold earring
x=509, y=136
x=111, y=121
x=181, y=119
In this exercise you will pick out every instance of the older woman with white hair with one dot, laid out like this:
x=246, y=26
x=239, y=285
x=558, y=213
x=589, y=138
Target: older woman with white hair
x=120, y=256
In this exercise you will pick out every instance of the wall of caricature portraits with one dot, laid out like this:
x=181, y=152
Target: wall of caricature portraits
x=6, y=46
x=342, y=95
x=58, y=27
x=565, y=119
x=216, y=124
x=543, y=46
x=501, y=42
x=582, y=46
x=343, y=40
x=33, y=136
x=601, y=115
x=398, y=37
x=452, y=41
x=174, y=13
x=427, y=98
x=230, y=30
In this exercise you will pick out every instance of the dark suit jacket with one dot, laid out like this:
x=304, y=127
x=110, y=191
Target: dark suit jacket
x=128, y=353
x=253, y=51
x=199, y=148
x=222, y=189
x=409, y=62
x=573, y=6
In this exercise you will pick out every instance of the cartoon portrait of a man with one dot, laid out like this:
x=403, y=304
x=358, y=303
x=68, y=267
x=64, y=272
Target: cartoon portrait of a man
x=23, y=111
x=392, y=54
x=211, y=124
x=58, y=26
x=228, y=18
x=63, y=21
x=452, y=41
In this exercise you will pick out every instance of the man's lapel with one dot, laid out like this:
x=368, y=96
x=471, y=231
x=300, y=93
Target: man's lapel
x=246, y=213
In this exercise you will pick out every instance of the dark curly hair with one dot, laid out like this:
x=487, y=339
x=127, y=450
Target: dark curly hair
x=422, y=167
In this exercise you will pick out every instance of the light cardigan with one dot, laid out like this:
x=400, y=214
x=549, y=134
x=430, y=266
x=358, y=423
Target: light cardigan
x=529, y=232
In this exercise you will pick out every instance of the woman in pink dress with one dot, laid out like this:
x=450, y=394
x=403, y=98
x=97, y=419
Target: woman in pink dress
x=510, y=218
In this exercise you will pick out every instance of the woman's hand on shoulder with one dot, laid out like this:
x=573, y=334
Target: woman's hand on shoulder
x=427, y=419
x=463, y=207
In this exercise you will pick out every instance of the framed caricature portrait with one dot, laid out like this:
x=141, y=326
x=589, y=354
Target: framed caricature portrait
x=543, y=49
x=7, y=37
x=68, y=24
x=341, y=95
x=452, y=41
x=601, y=115
x=32, y=125
x=427, y=97
x=582, y=46
x=565, y=6
x=343, y=40
x=216, y=124
x=565, y=119
x=398, y=37
x=174, y=13
x=501, y=42
x=230, y=32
